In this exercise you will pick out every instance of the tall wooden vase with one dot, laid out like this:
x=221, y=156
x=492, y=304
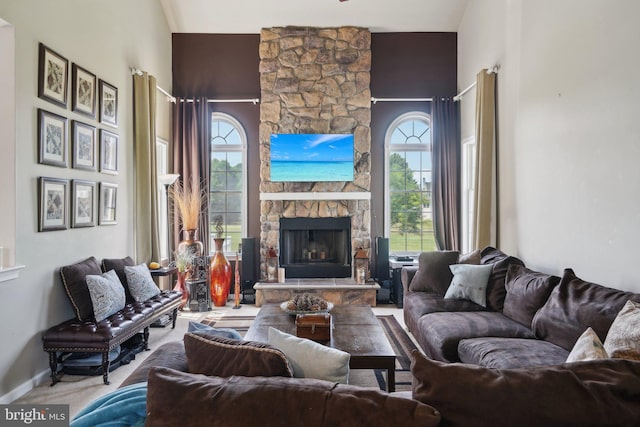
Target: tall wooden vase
x=220, y=272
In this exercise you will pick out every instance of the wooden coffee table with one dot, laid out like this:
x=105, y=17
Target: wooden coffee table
x=355, y=330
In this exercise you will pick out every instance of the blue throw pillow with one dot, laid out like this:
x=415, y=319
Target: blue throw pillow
x=221, y=332
x=126, y=406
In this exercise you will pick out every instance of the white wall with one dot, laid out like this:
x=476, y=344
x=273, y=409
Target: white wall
x=106, y=38
x=568, y=114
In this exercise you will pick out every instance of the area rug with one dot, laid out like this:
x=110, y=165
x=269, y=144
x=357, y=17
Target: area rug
x=371, y=378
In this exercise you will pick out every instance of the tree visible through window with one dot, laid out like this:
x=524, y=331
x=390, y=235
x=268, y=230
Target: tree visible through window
x=227, y=178
x=408, y=183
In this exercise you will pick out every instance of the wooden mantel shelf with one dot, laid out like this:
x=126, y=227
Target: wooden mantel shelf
x=318, y=195
x=10, y=273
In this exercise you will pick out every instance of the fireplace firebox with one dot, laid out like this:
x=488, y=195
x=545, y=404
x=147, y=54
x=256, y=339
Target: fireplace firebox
x=316, y=247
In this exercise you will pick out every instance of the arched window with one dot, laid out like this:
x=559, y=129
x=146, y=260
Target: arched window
x=227, y=182
x=408, y=218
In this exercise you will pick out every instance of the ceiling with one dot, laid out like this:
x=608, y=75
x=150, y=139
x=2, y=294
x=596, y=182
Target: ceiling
x=249, y=16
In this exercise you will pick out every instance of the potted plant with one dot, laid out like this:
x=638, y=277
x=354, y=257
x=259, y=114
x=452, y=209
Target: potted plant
x=183, y=262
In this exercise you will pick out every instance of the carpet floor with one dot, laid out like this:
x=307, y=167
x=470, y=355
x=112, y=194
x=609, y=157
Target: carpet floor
x=371, y=378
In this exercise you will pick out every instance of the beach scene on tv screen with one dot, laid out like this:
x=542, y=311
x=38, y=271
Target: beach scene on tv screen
x=311, y=157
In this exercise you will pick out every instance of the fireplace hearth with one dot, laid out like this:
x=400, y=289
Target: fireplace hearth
x=316, y=247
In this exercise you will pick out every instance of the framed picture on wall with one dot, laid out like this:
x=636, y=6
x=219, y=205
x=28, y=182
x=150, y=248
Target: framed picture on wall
x=53, y=75
x=108, y=152
x=84, y=146
x=83, y=91
x=108, y=203
x=52, y=139
x=83, y=198
x=108, y=103
x=53, y=199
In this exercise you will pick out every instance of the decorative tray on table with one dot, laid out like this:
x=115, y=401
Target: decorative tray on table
x=305, y=304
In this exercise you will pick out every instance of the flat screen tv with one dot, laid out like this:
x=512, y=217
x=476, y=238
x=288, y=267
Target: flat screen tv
x=311, y=157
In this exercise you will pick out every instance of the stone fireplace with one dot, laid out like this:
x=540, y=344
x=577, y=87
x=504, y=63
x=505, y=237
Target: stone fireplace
x=315, y=80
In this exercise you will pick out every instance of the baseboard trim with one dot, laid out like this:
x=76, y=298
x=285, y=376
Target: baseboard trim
x=26, y=387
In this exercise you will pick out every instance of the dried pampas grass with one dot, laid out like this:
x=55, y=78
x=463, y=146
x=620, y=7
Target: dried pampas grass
x=188, y=199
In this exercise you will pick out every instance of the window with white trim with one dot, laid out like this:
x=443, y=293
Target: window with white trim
x=227, y=180
x=408, y=210
x=468, y=192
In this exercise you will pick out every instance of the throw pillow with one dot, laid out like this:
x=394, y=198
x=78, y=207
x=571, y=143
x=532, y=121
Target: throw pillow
x=623, y=338
x=310, y=359
x=179, y=398
x=118, y=264
x=75, y=285
x=223, y=357
x=594, y=393
x=433, y=273
x=221, y=332
x=500, y=261
x=469, y=282
x=527, y=291
x=588, y=347
x=573, y=306
x=140, y=282
x=107, y=294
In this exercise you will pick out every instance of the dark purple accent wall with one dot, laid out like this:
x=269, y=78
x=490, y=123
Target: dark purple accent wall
x=403, y=65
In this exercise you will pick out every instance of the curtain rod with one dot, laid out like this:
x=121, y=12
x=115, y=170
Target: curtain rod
x=491, y=70
x=252, y=100
x=170, y=98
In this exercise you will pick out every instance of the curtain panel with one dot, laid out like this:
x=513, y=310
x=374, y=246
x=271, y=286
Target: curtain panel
x=147, y=233
x=191, y=158
x=485, y=224
x=446, y=173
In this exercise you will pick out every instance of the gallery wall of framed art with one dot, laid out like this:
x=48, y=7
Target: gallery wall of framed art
x=86, y=143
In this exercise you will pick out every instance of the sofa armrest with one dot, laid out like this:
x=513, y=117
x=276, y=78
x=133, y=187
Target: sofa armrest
x=406, y=275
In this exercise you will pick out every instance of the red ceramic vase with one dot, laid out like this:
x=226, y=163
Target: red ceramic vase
x=181, y=286
x=220, y=271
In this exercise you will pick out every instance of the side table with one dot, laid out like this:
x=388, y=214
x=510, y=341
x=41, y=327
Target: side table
x=167, y=319
x=396, y=283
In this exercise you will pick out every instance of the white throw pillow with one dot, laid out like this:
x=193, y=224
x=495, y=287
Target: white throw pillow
x=141, y=284
x=469, y=282
x=310, y=359
x=623, y=338
x=107, y=294
x=588, y=347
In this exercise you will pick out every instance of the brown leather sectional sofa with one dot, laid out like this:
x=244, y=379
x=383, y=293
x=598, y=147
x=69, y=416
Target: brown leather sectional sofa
x=531, y=318
x=84, y=334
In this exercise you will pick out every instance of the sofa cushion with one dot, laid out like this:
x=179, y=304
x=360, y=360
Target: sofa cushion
x=527, y=291
x=588, y=347
x=140, y=283
x=309, y=359
x=597, y=393
x=469, y=282
x=118, y=264
x=573, y=306
x=623, y=339
x=210, y=354
x=168, y=355
x=470, y=257
x=433, y=273
x=440, y=333
x=417, y=304
x=503, y=353
x=500, y=261
x=107, y=294
x=75, y=284
x=176, y=398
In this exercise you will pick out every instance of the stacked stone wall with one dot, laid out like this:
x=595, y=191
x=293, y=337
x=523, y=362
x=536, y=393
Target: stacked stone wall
x=315, y=80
